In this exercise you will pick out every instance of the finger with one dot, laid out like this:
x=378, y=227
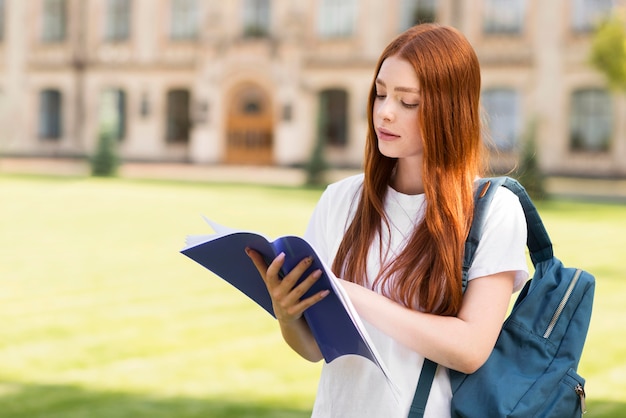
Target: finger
x=272, y=276
x=293, y=297
x=294, y=275
x=258, y=261
x=298, y=291
x=304, y=304
x=269, y=273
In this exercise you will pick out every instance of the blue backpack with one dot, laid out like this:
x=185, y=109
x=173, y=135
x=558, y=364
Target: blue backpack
x=531, y=371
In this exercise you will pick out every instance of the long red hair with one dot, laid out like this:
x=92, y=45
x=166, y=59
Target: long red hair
x=427, y=273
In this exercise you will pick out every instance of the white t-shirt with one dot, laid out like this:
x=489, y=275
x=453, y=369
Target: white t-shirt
x=352, y=386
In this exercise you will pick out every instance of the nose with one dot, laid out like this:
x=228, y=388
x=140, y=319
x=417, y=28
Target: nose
x=384, y=109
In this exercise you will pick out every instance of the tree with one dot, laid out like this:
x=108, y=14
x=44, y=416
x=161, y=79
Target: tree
x=608, y=51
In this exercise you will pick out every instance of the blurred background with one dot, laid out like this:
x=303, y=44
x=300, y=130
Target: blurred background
x=284, y=83
x=101, y=315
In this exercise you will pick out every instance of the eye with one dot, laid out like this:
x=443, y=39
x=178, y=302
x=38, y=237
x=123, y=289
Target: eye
x=381, y=95
x=410, y=105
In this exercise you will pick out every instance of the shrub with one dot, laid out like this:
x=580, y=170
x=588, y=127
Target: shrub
x=316, y=166
x=529, y=173
x=105, y=160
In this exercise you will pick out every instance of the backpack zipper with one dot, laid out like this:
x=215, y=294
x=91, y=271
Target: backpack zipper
x=580, y=391
x=561, y=306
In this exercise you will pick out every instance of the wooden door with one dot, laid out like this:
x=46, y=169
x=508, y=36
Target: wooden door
x=249, y=136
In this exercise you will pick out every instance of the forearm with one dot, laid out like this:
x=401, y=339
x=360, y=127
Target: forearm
x=286, y=293
x=298, y=336
x=461, y=343
x=444, y=340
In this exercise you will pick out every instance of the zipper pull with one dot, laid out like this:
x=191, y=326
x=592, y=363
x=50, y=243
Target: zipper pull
x=580, y=391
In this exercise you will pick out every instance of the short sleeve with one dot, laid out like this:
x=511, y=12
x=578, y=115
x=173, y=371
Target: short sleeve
x=502, y=246
x=316, y=230
x=332, y=215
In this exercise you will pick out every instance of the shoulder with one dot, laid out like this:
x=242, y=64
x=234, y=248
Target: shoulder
x=344, y=190
x=332, y=215
x=352, y=183
x=338, y=203
x=505, y=212
x=502, y=245
x=504, y=206
x=505, y=200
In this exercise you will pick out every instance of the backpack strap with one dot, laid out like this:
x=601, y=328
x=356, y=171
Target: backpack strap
x=538, y=243
x=427, y=375
x=483, y=196
x=538, y=240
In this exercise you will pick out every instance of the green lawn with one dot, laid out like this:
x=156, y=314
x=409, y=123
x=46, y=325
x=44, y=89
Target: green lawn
x=102, y=317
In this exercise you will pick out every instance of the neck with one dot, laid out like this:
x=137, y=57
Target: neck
x=407, y=178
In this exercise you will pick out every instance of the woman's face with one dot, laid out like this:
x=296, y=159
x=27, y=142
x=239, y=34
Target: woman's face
x=396, y=108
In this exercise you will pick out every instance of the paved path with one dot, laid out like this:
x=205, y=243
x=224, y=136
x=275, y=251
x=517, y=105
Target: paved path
x=587, y=188
x=169, y=171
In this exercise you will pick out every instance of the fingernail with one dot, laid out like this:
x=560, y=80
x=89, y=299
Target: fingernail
x=247, y=250
x=325, y=293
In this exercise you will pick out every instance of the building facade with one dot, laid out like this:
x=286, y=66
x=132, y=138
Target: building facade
x=263, y=81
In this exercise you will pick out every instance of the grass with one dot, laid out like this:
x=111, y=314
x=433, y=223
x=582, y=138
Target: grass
x=102, y=317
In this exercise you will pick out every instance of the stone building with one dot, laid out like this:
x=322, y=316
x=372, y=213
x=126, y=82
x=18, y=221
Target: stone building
x=262, y=81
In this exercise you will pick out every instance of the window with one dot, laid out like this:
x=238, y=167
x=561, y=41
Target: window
x=2, y=19
x=50, y=114
x=504, y=16
x=113, y=112
x=184, y=19
x=333, y=125
x=590, y=120
x=256, y=18
x=586, y=14
x=54, y=21
x=336, y=18
x=178, y=116
x=118, y=18
x=413, y=12
x=503, y=117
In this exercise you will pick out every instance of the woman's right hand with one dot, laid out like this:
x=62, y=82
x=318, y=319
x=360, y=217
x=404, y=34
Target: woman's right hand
x=286, y=293
x=287, y=302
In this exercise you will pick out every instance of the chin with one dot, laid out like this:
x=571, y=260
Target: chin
x=387, y=151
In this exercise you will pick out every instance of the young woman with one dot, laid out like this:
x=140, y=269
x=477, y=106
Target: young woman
x=395, y=235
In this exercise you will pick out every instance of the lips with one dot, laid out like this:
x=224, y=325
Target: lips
x=386, y=135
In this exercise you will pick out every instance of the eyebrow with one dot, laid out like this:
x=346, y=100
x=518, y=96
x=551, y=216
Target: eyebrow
x=402, y=89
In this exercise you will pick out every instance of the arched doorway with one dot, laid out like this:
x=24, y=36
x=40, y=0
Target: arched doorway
x=249, y=136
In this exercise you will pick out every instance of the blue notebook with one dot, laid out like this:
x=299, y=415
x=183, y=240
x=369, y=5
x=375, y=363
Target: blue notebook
x=333, y=321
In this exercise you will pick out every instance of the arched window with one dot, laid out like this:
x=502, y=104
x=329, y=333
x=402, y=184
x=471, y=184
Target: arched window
x=336, y=18
x=113, y=112
x=2, y=19
x=587, y=14
x=503, y=117
x=504, y=16
x=591, y=120
x=54, y=21
x=184, y=20
x=413, y=12
x=118, y=19
x=333, y=120
x=50, y=112
x=178, y=116
x=256, y=18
